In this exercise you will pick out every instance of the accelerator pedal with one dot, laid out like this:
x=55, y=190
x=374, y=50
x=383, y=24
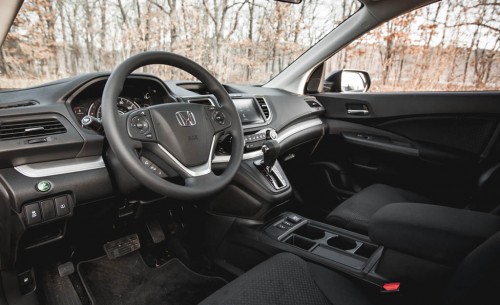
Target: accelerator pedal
x=122, y=246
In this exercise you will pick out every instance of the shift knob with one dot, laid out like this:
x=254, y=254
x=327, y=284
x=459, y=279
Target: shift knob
x=271, y=150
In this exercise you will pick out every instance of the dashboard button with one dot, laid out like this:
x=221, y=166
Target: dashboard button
x=33, y=215
x=294, y=219
x=62, y=206
x=48, y=210
x=43, y=186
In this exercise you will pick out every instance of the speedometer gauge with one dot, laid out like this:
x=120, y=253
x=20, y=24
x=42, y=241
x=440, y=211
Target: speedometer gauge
x=124, y=105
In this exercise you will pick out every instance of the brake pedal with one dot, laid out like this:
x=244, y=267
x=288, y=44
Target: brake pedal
x=155, y=231
x=122, y=246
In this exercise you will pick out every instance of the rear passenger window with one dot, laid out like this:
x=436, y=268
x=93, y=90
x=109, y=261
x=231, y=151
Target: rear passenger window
x=445, y=46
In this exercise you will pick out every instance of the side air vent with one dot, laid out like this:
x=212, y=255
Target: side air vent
x=264, y=107
x=18, y=104
x=30, y=128
x=203, y=101
x=313, y=103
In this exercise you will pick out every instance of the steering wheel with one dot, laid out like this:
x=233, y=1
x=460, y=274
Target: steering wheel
x=182, y=135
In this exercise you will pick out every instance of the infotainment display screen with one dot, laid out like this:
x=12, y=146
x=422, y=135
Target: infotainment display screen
x=249, y=113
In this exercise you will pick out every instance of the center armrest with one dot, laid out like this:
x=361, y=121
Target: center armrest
x=440, y=234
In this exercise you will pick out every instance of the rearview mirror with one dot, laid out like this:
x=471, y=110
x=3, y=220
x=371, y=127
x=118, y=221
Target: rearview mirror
x=347, y=81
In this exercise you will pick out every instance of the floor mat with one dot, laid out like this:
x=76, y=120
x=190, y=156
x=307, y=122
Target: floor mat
x=57, y=290
x=128, y=280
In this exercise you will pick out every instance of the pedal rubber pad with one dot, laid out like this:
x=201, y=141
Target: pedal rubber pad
x=155, y=231
x=66, y=269
x=122, y=246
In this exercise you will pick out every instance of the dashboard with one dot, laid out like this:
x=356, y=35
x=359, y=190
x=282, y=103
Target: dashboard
x=44, y=143
x=42, y=137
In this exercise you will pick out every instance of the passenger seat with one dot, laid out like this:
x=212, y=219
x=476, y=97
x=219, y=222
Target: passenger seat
x=355, y=212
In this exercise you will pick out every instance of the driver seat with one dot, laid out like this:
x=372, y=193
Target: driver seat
x=286, y=279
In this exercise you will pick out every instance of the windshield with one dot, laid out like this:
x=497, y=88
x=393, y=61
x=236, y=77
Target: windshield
x=239, y=41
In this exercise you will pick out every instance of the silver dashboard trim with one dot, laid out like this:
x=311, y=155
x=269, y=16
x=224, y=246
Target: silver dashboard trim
x=60, y=167
x=194, y=171
x=282, y=136
x=67, y=166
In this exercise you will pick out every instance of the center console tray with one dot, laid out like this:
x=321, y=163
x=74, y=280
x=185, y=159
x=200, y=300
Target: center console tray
x=340, y=246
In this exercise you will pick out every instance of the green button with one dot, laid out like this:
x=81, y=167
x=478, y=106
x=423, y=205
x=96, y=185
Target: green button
x=43, y=186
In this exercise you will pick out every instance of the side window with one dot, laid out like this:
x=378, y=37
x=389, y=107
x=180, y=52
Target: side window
x=446, y=46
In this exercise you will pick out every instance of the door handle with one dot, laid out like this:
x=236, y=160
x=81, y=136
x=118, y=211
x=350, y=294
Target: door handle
x=357, y=109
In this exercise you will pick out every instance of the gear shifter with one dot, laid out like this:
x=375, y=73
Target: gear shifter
x=271, y=150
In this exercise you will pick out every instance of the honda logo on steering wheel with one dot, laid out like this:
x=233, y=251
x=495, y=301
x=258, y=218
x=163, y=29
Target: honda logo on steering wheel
x=185, y=118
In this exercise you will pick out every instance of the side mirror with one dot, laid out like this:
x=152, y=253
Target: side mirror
x=347, y=81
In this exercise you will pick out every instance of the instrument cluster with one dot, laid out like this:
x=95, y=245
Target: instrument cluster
x=138, y=92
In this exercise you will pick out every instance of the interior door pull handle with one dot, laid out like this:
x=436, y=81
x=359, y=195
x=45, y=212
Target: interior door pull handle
x=358, y=111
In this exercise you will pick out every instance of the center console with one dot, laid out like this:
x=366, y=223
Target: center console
x=325, y=244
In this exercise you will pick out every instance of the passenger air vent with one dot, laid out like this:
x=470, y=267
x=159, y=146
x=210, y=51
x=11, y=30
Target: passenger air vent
x=313, y=103
x=204, y=101
x=264, y=107
x=30, y=128
x=18, y=104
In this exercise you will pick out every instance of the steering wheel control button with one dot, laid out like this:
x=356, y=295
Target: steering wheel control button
x=140, y=126
x=146, y=161
x=62, y=206
x=33, y=215
x=140, y=123
x=153, y=167
x=48, y=210
x=161, y=173
x=219, y=117
x=43, y=186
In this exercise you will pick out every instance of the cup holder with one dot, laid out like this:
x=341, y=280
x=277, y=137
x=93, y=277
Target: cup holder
x=341, y=242
x=310, y=232
x=300, y=242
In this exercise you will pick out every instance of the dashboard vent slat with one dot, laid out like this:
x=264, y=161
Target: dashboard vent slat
x=264, y=107
x=18, y=104
x=31, y=128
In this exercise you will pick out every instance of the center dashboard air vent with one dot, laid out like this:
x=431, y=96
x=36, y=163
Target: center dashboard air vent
x=264, y=107
x=30, y=128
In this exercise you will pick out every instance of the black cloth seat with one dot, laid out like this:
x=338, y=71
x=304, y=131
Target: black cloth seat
x=286, y=279
x=355, y=213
